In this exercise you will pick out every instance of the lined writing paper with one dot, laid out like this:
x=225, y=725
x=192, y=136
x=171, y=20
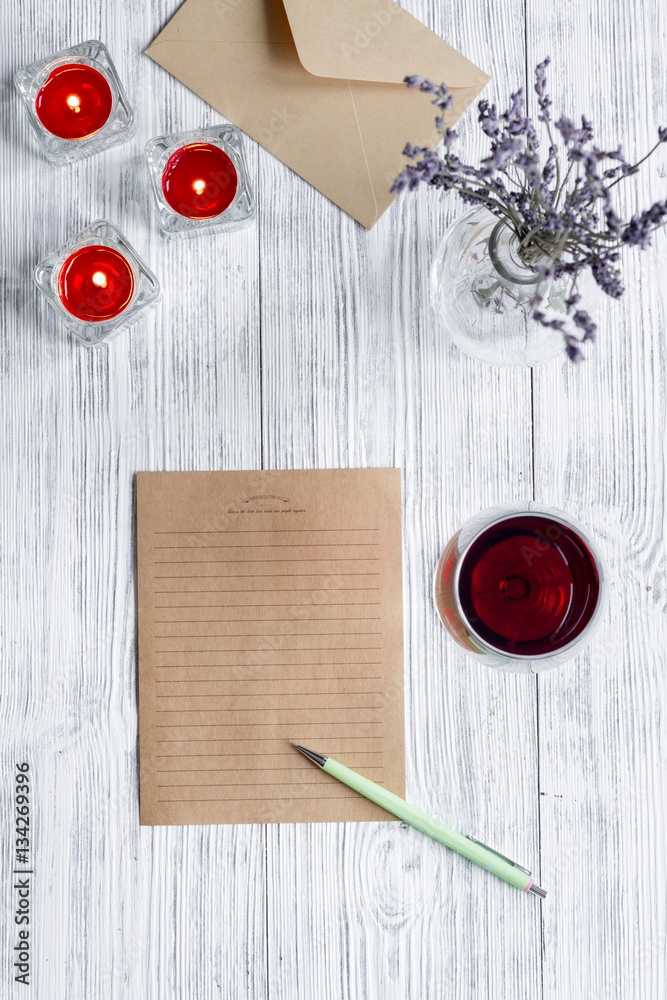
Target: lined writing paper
x=270, y=610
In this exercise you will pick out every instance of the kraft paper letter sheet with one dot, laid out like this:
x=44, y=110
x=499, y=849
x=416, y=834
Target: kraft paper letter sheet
x=270, y=610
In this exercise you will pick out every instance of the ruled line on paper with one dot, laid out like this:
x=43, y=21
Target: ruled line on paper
x=259, y=635
x=262, y=694
x=258, y=725
x=270, y=590
x=271, y=798
x=236, y=784
x=279, y=694
x=263, y=561
x=266, y=635
x=255, y=680
x=274, y=753
x=301, y=604
x=225, y=692
x=256, y=741
x=281, y=649
x=295, y=767
x=272, y=545
x=264, y=739
x=276, y=663
x=257, y=666
x=256, y=576
x=262, y=531
x=207, y=621
x=248, y=753
x=257, y=708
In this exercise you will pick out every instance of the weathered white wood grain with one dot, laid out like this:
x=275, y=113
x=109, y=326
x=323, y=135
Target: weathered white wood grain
x=118, y=911
x=599, y=453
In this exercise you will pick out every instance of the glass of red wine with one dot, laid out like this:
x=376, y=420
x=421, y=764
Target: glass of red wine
x=520, y=587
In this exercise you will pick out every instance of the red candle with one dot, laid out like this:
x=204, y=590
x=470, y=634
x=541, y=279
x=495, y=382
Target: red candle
x=74, y=102
x=199, y=181
x=95, y=283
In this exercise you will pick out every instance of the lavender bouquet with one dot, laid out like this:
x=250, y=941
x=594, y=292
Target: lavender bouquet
x=558, y=208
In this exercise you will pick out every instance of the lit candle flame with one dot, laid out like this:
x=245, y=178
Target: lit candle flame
x=74, y=103
x=100, y=279
x=198, y=186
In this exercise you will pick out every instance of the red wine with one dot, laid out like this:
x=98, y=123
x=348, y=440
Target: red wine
x=199, y=181
x=528, y=585
x=75, y=101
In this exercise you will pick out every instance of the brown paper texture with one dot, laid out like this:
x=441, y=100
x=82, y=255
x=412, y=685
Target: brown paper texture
x=319, y=83
x=270, y=610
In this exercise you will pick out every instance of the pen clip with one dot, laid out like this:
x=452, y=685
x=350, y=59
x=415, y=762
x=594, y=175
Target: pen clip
x=493, y=851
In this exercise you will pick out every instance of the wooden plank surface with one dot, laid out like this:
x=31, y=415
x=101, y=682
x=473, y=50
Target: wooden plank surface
x=118, y=911
x=599, y=453
x=307, y=342
x=355, y=371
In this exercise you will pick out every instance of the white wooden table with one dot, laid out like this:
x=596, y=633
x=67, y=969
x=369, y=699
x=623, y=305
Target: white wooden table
x=307, y=342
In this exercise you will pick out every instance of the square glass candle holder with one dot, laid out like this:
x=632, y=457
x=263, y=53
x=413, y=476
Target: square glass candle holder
x=97, y=283
x=75, y=102
x=200, y=181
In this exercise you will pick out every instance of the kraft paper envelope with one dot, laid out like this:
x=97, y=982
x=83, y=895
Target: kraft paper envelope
x=319, y=83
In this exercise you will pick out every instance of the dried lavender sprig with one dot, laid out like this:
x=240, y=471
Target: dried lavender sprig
x=563, y=220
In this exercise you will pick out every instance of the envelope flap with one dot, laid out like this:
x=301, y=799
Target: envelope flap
x=373, y=40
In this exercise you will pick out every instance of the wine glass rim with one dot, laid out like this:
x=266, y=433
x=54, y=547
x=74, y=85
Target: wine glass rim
x=558, y=517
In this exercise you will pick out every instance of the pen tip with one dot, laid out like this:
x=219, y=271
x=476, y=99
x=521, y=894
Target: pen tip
x=311, y=755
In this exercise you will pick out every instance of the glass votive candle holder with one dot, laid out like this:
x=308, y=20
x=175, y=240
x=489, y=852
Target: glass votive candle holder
x=97, y=283
x=200, y=181
x=75, y=102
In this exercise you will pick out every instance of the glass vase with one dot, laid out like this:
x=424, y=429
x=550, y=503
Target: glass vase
x=481, y=293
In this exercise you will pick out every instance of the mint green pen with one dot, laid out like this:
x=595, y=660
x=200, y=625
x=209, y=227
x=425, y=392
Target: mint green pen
x=474, y=850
